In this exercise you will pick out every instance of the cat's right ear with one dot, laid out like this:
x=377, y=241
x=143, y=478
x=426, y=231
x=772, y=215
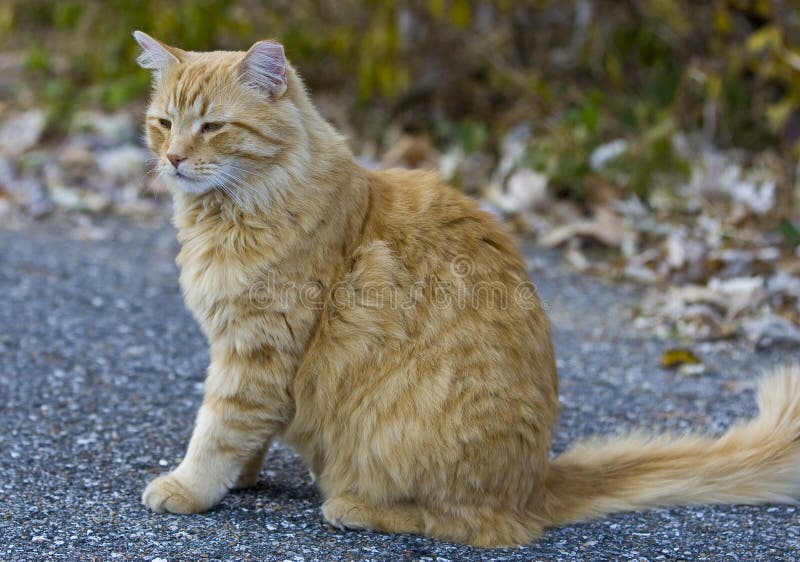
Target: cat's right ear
x=155, y=55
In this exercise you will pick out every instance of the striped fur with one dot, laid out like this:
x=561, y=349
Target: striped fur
x=385, y=328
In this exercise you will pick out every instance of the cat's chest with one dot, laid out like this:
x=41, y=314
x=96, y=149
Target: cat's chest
x=242, y=308
x=207, y=278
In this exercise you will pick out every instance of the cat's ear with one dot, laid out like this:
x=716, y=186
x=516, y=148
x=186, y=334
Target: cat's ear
x=264, y=68
x=155, y=54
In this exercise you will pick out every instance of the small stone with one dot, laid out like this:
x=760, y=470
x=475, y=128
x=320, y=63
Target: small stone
x=75, y=165
x=21, y=131
x=123, y=163
x=691, y=370
x=112, y=129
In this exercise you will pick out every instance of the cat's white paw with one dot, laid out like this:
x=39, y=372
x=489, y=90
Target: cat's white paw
x=166, y=493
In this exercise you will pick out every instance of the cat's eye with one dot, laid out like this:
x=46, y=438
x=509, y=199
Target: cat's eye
x=166, y=123
x=210, y=127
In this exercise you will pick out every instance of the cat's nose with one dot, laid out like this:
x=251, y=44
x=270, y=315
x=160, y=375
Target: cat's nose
x=175, y=159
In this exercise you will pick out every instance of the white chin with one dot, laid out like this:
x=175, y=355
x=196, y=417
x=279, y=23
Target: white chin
x=195, y=187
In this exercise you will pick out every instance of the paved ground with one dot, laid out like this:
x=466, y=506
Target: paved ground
x=100, y=375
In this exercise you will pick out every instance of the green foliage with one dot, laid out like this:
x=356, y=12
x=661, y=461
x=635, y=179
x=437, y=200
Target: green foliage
x=470, y=136
x=583, y=72
x=790, y=232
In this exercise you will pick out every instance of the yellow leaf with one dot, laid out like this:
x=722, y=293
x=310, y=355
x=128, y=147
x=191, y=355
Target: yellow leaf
x=714, y=86
x=778, y=113
x=436, y=8
x=670, y=13
x=722, y=21
x=768, y=36
x=792, y=58
x=674, y=358
x=460, y=13
x=763, y=8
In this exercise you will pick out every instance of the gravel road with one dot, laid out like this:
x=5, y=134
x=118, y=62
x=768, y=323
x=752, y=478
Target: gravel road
x=101, y=372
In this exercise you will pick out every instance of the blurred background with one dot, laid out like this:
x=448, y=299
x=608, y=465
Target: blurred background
x=651, y=141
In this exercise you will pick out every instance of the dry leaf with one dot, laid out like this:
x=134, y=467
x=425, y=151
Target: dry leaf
x=526, y=191
x=674, y=358
x=606, y=227
x=771, y=330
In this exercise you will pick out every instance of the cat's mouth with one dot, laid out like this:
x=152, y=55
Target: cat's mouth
x=190, y=184
x=182, y=175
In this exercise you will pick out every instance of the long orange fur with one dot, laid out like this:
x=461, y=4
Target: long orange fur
x=385, y=328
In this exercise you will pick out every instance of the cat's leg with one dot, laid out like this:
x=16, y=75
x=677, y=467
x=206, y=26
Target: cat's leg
x=349, y=512
x=249, y=476
x=221, y=446
x=244, y=407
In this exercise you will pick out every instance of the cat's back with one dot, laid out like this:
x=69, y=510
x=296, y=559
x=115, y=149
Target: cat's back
x=424, y=220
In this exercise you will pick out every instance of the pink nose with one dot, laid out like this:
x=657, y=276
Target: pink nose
x=175, y=159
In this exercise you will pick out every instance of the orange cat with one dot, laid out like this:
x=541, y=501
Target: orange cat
x=385, y=327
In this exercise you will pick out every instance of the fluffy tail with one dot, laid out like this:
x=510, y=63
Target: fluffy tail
x=755, y=462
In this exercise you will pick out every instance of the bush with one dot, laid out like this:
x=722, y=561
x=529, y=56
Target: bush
x=583, y=72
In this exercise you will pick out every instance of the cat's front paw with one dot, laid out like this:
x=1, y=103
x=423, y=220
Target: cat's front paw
x=166, y=493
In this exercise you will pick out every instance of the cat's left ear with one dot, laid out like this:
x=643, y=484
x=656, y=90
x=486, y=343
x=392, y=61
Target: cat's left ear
x=155, y=54
x=264, y=68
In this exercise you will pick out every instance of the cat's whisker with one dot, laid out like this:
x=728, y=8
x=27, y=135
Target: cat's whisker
x=244, y=197
x=237, y=168
x=240, y=183
x=218, y=183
